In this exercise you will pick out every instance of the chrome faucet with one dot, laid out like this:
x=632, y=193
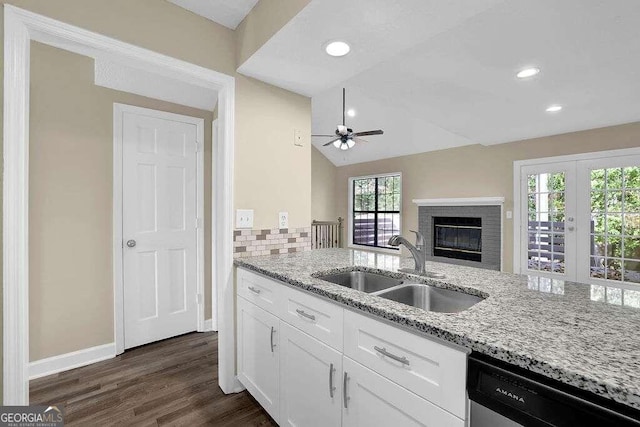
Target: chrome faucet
x=418, y=251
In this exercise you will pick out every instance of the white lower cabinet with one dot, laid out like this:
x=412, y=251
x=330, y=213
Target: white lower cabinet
x=290, y=358
x=372, y=400
x=310, y=375
x=259, y=355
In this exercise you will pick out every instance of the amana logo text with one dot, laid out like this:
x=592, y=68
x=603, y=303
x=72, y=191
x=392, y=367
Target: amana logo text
x=509, y=394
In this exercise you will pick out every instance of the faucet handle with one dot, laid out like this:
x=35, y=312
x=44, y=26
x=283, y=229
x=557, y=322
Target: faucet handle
x=419, y=239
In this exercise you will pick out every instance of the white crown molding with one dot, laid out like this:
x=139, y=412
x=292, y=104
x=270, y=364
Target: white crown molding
x=20, y=28
x=75, y=359
x=462, y=201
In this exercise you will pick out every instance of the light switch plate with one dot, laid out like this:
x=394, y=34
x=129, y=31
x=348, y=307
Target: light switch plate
x=297, y=137
x=509, y=214
x=283, y=220
x=244, y=218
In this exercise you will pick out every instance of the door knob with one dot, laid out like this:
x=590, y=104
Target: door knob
x=131, y=243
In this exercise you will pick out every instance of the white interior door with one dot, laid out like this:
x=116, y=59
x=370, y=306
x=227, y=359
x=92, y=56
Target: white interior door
x=159, y=228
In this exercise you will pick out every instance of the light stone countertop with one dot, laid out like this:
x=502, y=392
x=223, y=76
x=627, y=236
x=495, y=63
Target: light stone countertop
x=587, y=336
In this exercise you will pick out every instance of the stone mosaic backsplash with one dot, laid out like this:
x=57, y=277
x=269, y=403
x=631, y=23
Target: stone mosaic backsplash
x=247, y=243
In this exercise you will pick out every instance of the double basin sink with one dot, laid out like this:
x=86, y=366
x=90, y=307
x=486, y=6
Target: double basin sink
x=426, y=297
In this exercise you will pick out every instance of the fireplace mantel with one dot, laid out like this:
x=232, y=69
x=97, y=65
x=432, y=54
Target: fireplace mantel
x=463, y=201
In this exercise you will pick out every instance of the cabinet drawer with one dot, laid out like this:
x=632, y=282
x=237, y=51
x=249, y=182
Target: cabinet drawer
x=318, y=318
x=430, y=369
x=263, y=292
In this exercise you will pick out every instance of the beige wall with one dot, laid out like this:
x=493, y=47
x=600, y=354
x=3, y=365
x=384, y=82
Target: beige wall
x=163, y=27
x=271, y=173
x=476, y=170
x=323, y=187
x=70, y=178
x=262, y=23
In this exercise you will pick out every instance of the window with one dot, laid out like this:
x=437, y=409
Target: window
x=375, y=215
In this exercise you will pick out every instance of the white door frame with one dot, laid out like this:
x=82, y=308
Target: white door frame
x=517, y=189
x=20, y=28
x=118, y=238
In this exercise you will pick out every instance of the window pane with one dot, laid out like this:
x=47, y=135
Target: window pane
x=632, y=224
x=614, y=269
x=632, y=177
x=614, y=201
x=614, y=224
x=614, y=179
x=632, y=248
x=597, y=179
x=632, y=272
x=388, y=225
x=632, y=201
x=364, y=229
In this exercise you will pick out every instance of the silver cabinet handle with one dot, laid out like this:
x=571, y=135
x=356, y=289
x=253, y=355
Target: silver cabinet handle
x=345, y=398
x=384, y=352
x=307, y=315
x=272, y=332
x=254, y=290
x=331, y=387
x=131, y=243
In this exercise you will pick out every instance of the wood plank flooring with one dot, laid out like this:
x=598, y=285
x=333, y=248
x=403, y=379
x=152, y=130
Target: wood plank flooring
x=171, y=382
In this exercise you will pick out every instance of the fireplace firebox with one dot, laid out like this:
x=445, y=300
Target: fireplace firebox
x=457, y=237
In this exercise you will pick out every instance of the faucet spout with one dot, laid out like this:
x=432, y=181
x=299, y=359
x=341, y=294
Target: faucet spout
x=418, y=253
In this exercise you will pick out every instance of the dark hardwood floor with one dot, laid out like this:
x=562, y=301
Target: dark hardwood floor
x=171, y=382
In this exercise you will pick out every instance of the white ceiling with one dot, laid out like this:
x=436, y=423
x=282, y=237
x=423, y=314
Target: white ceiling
x=437, y=74
x=225, y=12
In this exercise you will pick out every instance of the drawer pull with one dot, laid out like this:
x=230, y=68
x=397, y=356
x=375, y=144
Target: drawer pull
x=384, y=352
x=307, y=315
x=254, y=290
x=345, y=398
x=272, y=332
x=331, y=387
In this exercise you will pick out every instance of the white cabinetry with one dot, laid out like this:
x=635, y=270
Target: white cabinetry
x=310, y=375
x=290, y=358
x=372, y=400
x=259, y=355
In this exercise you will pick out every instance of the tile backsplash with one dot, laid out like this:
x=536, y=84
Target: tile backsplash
x=273, y=241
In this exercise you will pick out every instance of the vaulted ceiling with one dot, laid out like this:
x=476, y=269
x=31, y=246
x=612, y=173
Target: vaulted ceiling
x=225, y=12
x=439, y=74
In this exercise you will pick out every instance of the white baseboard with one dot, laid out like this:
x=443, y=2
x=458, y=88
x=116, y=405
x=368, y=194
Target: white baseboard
x=208, y=325
x=75, y=359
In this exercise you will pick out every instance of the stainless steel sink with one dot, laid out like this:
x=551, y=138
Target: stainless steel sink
x=362, y=280
x=430, y=298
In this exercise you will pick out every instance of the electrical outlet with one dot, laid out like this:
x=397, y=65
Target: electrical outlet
x=283, y=220
x=244, y=218
x=297, y=138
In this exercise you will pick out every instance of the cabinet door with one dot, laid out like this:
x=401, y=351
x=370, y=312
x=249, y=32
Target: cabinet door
x=372, y=400
x=310, y=375
x=259, y=354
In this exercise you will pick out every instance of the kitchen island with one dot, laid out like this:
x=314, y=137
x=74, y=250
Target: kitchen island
x=582, y=335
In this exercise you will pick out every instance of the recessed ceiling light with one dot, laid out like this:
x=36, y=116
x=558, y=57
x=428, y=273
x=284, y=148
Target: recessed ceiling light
x=553, y=108
x=527, y=72
x=351, y=112
x=337, y=48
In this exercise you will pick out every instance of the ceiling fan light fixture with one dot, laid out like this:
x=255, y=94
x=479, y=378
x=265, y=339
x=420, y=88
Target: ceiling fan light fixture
x=528, y=72
x=350, y=143
x=337, y=48
x=344, y=146
x=337, y=143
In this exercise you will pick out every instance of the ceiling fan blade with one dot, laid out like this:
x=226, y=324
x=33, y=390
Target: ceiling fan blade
x=332, y=136
x=369, y=132
x=356, y=139
x=331, y=142
x=342, y=130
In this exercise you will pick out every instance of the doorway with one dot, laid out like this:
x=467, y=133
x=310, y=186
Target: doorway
x=158, y=225
x=578, y=217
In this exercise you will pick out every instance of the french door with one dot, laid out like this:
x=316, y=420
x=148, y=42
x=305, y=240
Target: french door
x=580, y=219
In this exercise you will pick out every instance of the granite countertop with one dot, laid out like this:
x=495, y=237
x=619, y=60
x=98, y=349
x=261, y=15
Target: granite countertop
x=587, y=336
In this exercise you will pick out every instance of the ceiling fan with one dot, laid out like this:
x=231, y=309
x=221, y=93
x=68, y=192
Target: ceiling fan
x=344, y=137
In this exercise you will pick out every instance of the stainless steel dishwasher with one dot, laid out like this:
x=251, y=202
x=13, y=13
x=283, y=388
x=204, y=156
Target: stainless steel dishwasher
x=504, y=395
